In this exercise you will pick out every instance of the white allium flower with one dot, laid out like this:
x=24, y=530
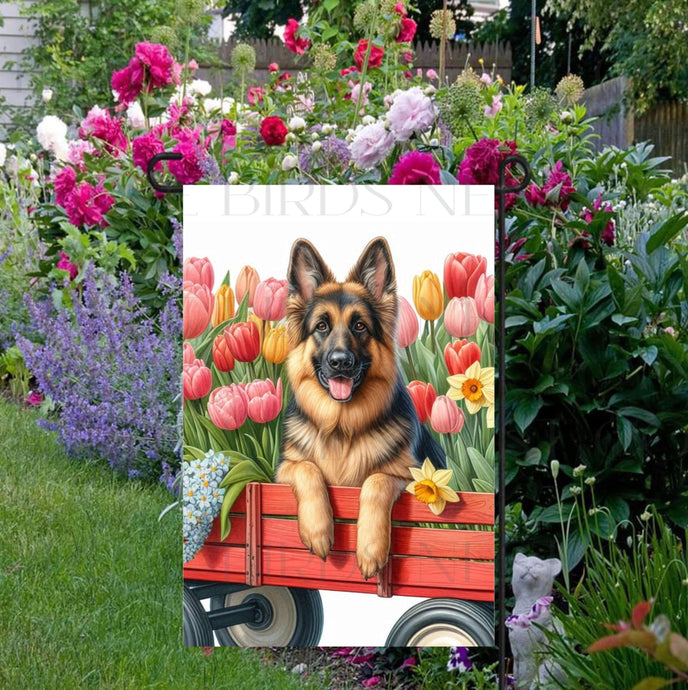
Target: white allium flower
x=297, y=124
x=3, y=154
x=135, y=117
x=51, y=133
x=233, y=178
x=289, y=162
x=200, y=87
x=370, y=145
x=47, y=95
x=411, y=113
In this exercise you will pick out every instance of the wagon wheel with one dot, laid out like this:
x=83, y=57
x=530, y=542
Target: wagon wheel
x=291, y=617
x=197, y=629
x=444, y=623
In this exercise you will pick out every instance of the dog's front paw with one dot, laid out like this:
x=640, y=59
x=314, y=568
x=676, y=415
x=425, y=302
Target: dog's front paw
x=372, y=556
x=316, y=528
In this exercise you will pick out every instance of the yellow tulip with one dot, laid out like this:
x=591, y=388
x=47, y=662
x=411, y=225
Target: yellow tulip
x=428, y=296
x=224, y=305
x=275, y=345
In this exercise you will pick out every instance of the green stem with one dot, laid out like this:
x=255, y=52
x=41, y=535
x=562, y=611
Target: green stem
x=433, y=348
x=410, y=361
x=364, y=71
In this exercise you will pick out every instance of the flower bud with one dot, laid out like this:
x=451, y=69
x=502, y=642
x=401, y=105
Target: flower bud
x=554, y=466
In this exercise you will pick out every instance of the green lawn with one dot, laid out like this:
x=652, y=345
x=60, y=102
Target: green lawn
x=90, y=582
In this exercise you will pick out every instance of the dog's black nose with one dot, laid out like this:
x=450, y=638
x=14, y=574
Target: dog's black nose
x=340, y=360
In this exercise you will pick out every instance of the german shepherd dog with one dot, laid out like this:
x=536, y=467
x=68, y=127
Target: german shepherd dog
x=351, y=421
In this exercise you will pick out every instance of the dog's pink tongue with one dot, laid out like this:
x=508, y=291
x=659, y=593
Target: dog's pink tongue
x=340, y=388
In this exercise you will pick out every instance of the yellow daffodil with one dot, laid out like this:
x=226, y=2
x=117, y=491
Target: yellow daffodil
x=475, y=386
x=431, y=486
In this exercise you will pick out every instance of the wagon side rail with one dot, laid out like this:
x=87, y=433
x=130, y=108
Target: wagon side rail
x=264, y=548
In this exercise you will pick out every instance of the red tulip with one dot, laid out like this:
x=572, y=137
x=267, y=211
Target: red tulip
x=423, y=396
x=198, y=307
x=485, y=298
x=197, y=380
x=446, y=417
x=199, y=271
x=264, y=400
x=270, y=299
x=461, y=273
x=243, y=340
x=461, y=317
x=459, y=355
x=228, y=407
x=222, y=356
x=407, y=329
x=189, y=354
x=246, y=281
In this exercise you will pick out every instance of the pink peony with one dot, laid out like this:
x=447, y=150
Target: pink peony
x=77, y=149
x=159, y=64
x=65, y=264
x=480, y=165
x=255, y=95
x=607, y=235
x=371, y=145
x=187, y=170
x=34, y=398
x=100, y=125
x=273, y=67
x=87, y=205
x=296, y=45
x=128, y=82
x=64, y=183
x=415, y=167
x=412, y=112
x=144, y=148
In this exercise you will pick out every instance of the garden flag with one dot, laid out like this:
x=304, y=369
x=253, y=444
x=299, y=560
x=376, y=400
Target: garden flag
x=339, y=392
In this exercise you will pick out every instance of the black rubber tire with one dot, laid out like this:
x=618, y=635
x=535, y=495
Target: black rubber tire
x=197, y=631
x=473, y=623
x=308, y=623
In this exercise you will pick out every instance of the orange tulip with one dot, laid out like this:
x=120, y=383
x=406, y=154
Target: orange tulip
x=224, y=305
x=427, y=295
x=246, y=282
x=275, y=345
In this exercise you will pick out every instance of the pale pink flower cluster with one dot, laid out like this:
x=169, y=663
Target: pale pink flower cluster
x=411, y=113
x=370, y=145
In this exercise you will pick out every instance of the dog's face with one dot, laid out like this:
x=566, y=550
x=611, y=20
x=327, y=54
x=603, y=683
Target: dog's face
x=337, y=331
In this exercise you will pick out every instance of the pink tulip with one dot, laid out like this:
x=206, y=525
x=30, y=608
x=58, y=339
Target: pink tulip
x=228, y=407
x=407, y=329
x=461, y=273
x=246, y=281
x=461, y=317
x=270, y=299
x=197, y=380
x=198, y=308
x=485, y=298
x=446, y=417
x=189, y=354
x=423, y=396
x=199, y=271
x=264, y=400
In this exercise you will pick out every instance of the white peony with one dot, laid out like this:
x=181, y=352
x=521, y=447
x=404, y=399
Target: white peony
x=51, y=133
x=200, y=87
x=297, y=124
x=289, y=162
x=211, y=105
x=135, y=116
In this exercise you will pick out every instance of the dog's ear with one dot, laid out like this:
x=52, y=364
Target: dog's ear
x=307, y=271
x=375, y=270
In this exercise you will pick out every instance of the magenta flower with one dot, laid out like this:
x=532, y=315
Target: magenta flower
x=128, y=82
x=100, y=125
x=372, y=682
x=144, y=148
x=65, y=264
x=64, y=182
x=188, y=170
x=608, y=234
x=555, y=192
x=87, y=205
x=152, y=66
x=415, y=167
x=34, y=398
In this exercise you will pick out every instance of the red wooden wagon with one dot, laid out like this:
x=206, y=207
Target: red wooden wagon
x=262, y=582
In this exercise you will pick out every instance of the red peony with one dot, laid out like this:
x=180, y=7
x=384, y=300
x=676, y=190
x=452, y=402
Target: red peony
x=608, y=234
x=376, y=54
x=415, y=167
x=296, y=45
x=407, y=30
x=480, y=165
x=255, y=95
x=273, y=131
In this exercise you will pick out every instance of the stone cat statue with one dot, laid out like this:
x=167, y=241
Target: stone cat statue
x=532, y=583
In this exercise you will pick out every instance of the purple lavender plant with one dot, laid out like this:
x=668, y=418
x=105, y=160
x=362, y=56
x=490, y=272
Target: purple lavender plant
x=113, y=372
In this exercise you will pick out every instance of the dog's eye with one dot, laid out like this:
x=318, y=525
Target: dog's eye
x=359, y=327
x=321, y=326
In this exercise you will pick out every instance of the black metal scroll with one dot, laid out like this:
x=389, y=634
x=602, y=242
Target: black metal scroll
x=165, y=156
x=506, y=166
